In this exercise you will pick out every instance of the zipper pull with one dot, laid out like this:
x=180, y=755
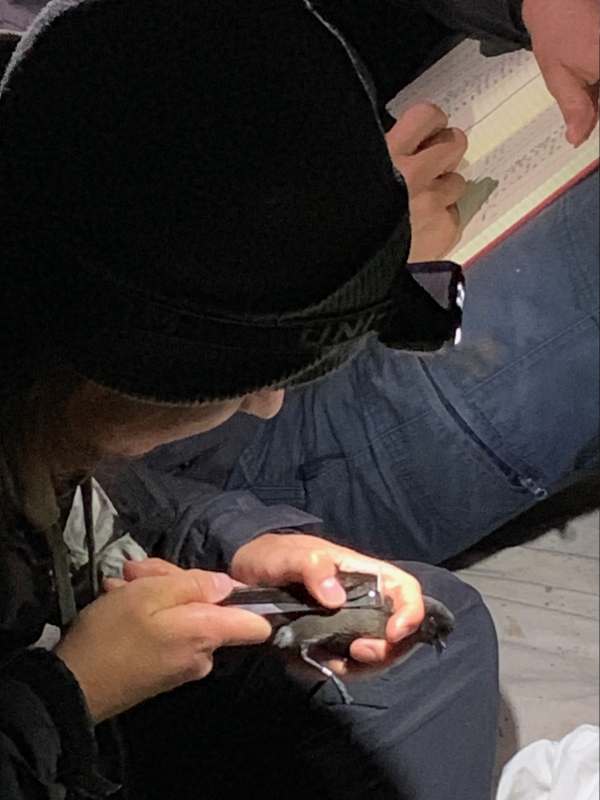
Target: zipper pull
x=537, y=491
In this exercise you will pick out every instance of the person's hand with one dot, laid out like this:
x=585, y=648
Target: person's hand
x=275, y=559
x=564, y=37
x=146, y=637
x=426, y=152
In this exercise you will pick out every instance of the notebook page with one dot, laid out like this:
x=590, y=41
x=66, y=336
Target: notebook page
x=524, y=106
x=513, y=179
x=467, y=85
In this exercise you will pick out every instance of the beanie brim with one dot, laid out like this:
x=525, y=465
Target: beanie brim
x=150, y=349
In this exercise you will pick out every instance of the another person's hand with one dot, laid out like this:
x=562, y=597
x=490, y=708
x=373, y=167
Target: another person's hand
x=152, y=635
x=565, y=40
x=275, y=559
x=427, y=153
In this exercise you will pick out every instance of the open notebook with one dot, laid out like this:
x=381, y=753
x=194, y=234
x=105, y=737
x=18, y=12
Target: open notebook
x=518, y=159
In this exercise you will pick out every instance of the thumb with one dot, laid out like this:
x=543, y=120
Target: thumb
x=319, y=575
x=188, y=586
x=574, y=99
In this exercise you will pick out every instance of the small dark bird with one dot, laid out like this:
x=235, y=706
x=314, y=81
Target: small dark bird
x=301, y=625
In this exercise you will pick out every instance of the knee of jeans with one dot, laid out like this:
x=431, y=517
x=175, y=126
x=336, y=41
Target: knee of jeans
x=461, y=598
x=440, y=583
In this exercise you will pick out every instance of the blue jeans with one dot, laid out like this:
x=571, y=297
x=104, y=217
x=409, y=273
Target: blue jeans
x=419, y=457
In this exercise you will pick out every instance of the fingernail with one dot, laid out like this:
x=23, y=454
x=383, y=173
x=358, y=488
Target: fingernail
x=369, y=655
x=332, y=591
x=573, y=135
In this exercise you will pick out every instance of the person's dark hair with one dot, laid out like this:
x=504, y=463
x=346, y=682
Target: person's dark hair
x=185, y=185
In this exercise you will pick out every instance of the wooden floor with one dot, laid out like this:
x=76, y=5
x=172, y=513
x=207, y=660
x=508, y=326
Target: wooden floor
x=539, y=578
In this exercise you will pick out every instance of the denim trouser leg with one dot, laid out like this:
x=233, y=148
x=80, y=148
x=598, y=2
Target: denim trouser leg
x=419, y=457
x=423, y=730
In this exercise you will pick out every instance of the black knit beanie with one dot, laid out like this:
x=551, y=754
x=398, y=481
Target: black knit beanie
x=198, y=199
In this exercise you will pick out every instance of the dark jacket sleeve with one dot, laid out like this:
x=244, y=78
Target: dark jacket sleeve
x=492, y=19
x=176, y=504
x=46, y=735
x=185, y=519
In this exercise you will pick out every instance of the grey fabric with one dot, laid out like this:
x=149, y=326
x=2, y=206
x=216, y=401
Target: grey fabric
x=112, y=544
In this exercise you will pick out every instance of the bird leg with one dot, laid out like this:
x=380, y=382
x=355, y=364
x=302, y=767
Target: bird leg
x=329, y=674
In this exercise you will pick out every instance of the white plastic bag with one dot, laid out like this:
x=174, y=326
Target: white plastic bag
x=565, y=770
